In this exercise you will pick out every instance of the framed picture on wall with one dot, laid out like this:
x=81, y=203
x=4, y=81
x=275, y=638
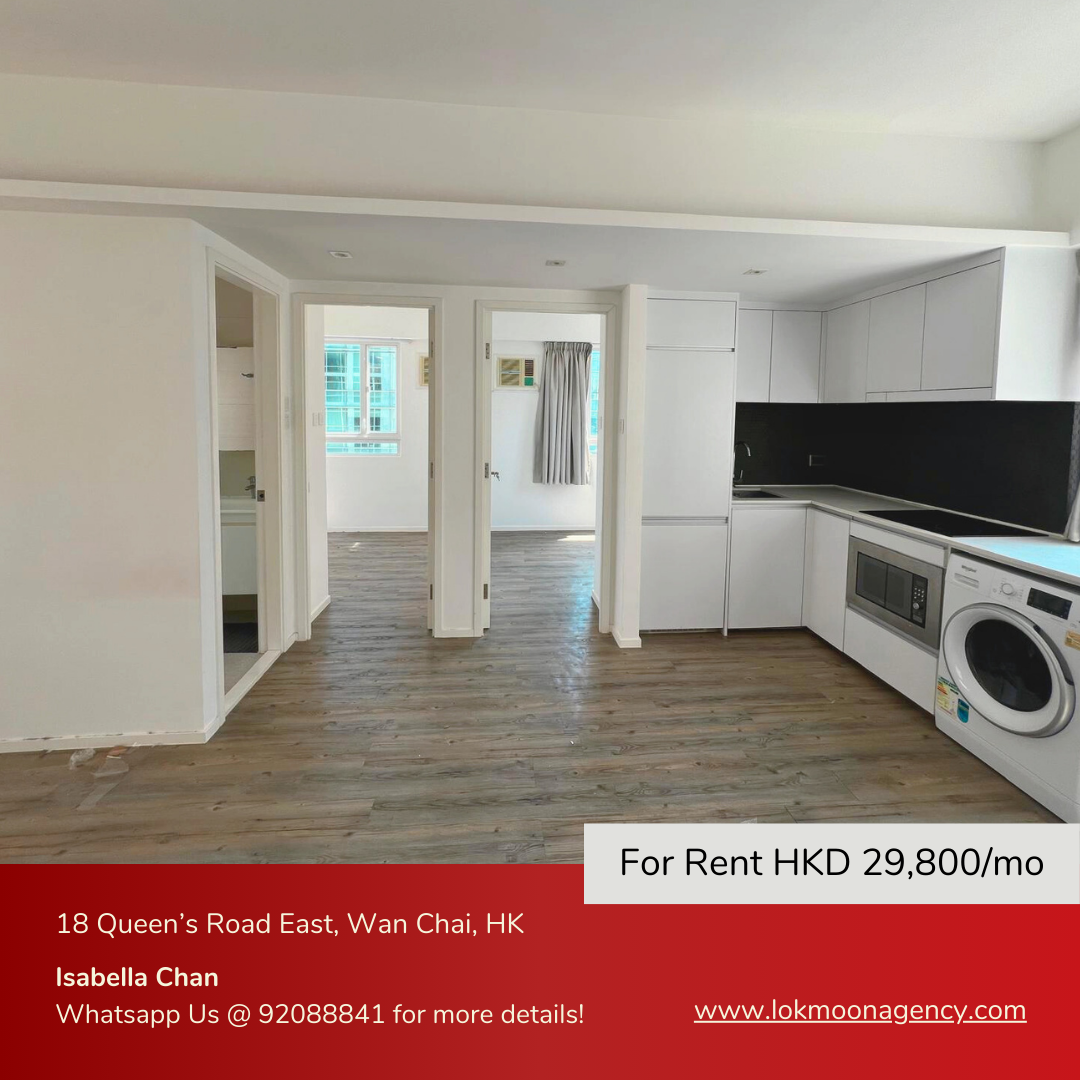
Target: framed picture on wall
x=425, y=370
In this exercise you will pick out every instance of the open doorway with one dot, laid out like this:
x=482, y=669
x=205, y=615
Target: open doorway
x=369, y=381
x=546, y=461
x=240, y=540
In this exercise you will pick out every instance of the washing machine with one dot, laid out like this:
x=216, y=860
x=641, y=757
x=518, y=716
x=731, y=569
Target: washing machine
x=1007, y=673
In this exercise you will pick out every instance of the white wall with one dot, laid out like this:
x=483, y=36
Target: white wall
x=516, y=502
x=384, y=493
x=127, y=133
x=1059, y=191
x=100, y=480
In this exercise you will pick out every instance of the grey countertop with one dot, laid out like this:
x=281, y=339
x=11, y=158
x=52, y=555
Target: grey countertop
x=1049, y=556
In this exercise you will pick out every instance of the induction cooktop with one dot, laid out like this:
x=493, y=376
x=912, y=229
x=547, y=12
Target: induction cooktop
x=945, y=523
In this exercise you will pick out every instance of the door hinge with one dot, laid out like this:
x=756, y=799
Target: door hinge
x=431, y=592
x=487, y=350
x=431, y=471
x=485, y=592
x=487, y=470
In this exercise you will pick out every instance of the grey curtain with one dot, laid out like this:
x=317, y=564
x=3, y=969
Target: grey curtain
x=562, y=416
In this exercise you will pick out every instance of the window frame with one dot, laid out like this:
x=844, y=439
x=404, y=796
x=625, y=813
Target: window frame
x=367, y=436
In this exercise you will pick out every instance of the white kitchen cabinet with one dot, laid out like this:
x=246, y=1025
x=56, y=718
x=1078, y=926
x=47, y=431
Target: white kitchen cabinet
x=960, y=336
x=766, y=568
x=895, y=352
x=796, y=356
x=683, y=574
x=892, y=658
x=825, y=575
x=688, y=433
x=690, y=324
x=753, y=355
x=846, y=340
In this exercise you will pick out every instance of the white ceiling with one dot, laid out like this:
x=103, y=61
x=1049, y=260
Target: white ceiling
x=979, y=68
x=438, y=251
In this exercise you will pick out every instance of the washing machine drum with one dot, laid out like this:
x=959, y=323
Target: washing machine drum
x=1008, y=670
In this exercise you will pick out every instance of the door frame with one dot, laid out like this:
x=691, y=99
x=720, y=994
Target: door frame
x=609, y=394
x=300, y=302
x=273, y=459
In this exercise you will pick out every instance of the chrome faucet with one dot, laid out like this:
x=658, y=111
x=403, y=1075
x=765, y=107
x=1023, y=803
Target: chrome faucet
x=735, y=454
x=250, y=486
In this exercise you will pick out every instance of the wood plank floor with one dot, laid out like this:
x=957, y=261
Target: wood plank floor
x=375, y=743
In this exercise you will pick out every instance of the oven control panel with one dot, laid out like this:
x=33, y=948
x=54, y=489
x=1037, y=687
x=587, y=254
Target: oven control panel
x=918, y=599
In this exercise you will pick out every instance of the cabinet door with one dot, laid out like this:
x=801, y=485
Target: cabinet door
x=796, y=356
x=846, y=337
x=683, y=571
x=825, y=575
x=690, y=324
x=894, y=357
x=766, y=568
x=960, y=338
x=752, y=356
x=686, y=471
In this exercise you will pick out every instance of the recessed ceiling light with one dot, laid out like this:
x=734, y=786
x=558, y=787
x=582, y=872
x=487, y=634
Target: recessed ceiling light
x=555, y=262
x=752, y=272
x=341, y=254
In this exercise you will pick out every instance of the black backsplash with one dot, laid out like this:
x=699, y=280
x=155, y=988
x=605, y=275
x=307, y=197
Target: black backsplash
x=999, y=459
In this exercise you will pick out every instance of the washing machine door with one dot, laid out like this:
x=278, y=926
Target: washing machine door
x=1008, y=670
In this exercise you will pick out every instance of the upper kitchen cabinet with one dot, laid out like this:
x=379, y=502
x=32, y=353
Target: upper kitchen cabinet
x=754, y=355
x=847, y=331
x=691, y=324
x=960, y=338
x=1000, y=326
x=796, y=356
x=895, y=353
x=779, y=355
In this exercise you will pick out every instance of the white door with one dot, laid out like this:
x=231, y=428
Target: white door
x=484, y=466
x=796, y=356
x=1008, y=670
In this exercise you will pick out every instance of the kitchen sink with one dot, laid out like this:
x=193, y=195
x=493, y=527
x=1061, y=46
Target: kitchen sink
x=753, y=493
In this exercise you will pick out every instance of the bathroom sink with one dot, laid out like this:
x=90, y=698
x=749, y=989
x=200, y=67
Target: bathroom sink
x=753, y=493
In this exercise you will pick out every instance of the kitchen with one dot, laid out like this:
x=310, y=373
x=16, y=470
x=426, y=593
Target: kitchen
x=902, y=462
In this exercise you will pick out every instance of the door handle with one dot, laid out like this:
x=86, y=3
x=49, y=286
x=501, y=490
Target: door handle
x=496, y=475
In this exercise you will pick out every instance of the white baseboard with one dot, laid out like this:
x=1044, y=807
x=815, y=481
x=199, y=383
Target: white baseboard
x=596, y=599
x=625, y=642
x=320, y=608
x=455, y=631
x=95, y=742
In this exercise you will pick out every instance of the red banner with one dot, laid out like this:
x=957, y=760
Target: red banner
x=503, y=971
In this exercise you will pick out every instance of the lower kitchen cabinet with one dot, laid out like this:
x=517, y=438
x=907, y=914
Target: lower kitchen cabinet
x=825, y=575
x=766, y=571
x=683, y=573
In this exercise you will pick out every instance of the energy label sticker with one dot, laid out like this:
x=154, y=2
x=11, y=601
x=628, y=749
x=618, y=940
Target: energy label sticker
x=947, y=694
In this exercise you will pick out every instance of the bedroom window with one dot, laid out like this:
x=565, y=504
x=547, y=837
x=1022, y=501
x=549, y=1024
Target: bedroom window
x=362, y=398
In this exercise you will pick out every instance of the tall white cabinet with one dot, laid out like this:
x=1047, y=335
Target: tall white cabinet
x=686, y=494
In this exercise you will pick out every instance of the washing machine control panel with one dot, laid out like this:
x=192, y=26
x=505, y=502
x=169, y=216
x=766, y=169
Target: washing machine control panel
x=1048, y=602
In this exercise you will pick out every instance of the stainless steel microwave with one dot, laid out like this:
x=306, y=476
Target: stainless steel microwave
x=902, y=592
